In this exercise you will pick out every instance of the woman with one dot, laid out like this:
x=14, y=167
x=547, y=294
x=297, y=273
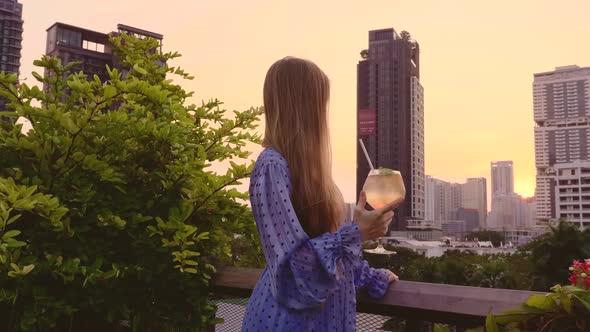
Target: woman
x=313, y=258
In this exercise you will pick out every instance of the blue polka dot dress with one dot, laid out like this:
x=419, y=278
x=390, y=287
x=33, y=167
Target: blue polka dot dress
x=308, y=284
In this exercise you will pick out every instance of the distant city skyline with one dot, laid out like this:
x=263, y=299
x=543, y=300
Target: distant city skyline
x=509, y=210
x=449, y=201
x=477, y=73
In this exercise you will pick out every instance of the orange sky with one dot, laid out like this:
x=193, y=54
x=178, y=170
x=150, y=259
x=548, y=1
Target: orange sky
x=477, y=61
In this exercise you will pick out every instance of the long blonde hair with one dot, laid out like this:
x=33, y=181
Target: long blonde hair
x=296, y=94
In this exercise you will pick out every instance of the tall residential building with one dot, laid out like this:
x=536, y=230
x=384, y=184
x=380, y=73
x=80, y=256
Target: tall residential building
x=443, y=200
x=474, y=196
x=561, y=100
x=390, y=106
x=572, y=193
x=429, y=198
x=502, y=177
x=11, y=37
x=93, y=49
x=504, y=201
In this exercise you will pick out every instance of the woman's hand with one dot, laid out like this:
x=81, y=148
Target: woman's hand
x=392, y=277
x=373, y=224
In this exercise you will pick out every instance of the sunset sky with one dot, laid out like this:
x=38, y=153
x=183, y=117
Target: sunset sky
x=477, y=62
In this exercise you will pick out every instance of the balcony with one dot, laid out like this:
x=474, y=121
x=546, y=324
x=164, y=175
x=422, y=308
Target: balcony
x=414, y=302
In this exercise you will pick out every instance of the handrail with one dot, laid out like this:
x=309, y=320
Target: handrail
x=415, y=301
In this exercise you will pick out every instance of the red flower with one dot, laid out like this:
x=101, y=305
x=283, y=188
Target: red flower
x=573, y=279
x=100, y=279
x=580, y=273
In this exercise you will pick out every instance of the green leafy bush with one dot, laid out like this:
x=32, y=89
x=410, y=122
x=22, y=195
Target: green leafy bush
x=564, y=309
x=110, y=215
x=563, y=244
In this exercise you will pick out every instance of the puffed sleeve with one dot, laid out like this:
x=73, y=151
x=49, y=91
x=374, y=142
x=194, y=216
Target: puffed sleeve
x=376, y=281
x=303, y=271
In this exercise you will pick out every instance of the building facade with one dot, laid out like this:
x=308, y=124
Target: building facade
x=443, y=200
x=454, y=228
x=470, y=217
x=502, y=177
x=11, y=38
x=390, y=116
x=11, y=25
x=92, y=49
x=447, y=201
x=429, y=197
x=572, y=193
x=512, y=211
x=519, y=236
x=474, y=196
x=561, y=101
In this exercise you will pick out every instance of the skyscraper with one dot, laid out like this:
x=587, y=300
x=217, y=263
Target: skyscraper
x=561, y=100
x=11, y=37
x=390, y=106
x=92, y=49
x=11, y=25
x=474, y=196
x=502, y=177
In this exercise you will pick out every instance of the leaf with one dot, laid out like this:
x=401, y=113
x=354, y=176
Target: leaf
x=190, y=270
x=441, y=328
x=491, y=325
x=28, y=269
x=13, y=219
x=542, y=302
x=10, y=234
x=514, y=315
x=203, y=236
x=190, y=262
x=140, y=70
x=583, y=301
x=566, y=302
x=12, y=243
x=109, y=91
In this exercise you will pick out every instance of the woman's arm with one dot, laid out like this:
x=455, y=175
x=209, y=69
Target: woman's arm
x=375, y=281
x=303, y=271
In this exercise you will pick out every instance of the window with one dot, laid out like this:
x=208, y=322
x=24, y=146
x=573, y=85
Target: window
x=68, y=37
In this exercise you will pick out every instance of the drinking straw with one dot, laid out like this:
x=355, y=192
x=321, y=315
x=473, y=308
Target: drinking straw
x=366, y=153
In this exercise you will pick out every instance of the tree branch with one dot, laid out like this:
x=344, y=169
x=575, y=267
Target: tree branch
x=222, y=134
x=236, y=179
